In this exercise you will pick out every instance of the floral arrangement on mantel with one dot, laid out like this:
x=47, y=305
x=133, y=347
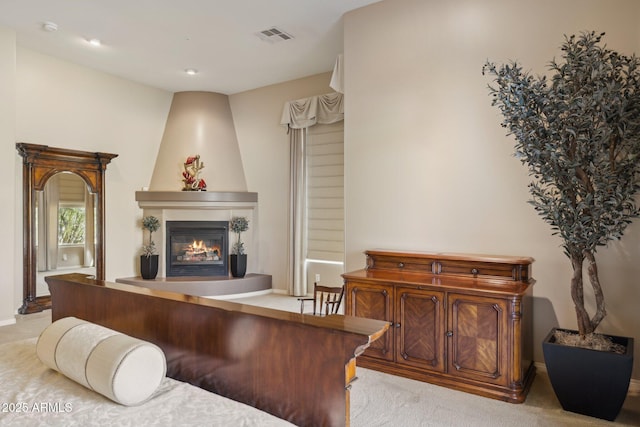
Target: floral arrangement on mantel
x=238, y=224
x=191, y=174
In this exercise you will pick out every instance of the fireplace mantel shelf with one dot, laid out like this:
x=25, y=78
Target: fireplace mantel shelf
x=199, y=199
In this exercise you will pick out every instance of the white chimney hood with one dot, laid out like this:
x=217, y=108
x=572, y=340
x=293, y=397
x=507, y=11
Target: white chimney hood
x=199, y=123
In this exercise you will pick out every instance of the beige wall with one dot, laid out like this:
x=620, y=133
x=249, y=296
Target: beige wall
x=427, y=165
x=64, y=105
x=11, y=250
x=264, y=147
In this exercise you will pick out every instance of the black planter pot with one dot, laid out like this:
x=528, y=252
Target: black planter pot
x=589, y=382
x=149, y=266
x=238, y=265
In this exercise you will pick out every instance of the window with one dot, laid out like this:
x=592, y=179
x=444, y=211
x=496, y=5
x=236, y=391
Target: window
x=71, y=209
x=325, y=193
x=71, y=225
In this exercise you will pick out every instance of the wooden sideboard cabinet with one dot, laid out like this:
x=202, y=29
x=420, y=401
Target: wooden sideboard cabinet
x=461, y=321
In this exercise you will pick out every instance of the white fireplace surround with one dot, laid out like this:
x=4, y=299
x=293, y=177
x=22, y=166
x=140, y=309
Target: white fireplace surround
x=202, y=206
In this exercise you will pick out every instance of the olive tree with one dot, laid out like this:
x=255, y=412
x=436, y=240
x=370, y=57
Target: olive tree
x=578, y=132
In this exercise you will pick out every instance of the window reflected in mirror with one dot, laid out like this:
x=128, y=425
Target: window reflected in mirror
x=65, y=220
x=65, y=223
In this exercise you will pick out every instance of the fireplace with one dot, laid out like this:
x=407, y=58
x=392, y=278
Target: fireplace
x=197, y=248
x=194, y=206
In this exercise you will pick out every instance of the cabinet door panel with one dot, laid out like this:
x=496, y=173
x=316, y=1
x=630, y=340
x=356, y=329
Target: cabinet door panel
x=478, y=338
x=373, y=302
x=420, y=328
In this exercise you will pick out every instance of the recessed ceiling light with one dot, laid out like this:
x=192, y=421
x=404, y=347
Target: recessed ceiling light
x=191, y=71
x=95, y=42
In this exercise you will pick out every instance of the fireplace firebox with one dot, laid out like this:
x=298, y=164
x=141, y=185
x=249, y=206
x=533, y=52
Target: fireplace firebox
x=197, y=248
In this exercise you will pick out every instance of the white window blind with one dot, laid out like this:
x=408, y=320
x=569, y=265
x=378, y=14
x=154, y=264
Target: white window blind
x=71, y=188
x=325, y=192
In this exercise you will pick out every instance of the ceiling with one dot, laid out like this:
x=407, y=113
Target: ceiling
x=155, y=41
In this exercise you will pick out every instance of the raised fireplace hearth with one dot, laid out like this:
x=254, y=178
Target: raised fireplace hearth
x=197, y=248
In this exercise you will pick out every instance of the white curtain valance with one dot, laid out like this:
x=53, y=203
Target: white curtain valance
x=302, y=113
x=337, y=77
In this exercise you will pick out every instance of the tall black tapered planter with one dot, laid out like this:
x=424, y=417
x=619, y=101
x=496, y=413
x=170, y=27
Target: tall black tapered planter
x=148, y=266
x=238, y=265
x=589, y=382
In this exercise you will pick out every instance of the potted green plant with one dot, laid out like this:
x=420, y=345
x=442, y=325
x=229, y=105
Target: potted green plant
x=578, y=132
x=238, y=225
x=149, y=258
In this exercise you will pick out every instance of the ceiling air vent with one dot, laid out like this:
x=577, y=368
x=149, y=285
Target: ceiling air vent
x=274, y=35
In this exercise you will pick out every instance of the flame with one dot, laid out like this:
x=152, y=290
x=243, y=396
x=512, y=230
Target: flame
x=198, y=245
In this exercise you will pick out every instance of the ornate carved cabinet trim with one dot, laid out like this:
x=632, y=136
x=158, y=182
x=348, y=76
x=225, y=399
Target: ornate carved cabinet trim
x=458, y=320
x=41, y=162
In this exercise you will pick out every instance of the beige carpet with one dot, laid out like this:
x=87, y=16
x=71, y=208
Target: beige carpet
x=379, y=399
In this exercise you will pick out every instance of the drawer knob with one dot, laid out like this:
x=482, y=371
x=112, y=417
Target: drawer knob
x=475, y=271
x=449, y=333
x=401, y=265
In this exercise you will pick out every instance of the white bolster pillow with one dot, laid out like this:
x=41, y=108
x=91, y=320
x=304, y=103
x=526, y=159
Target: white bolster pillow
x=124, y=369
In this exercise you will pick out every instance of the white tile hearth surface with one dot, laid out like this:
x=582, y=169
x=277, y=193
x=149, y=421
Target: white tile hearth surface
x=379, y=399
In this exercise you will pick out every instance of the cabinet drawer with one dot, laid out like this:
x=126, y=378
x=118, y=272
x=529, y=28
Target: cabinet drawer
x=483, y=270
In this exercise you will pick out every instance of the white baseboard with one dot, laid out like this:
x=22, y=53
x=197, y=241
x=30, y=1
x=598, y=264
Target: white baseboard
x=8, y=322
x=634, y=384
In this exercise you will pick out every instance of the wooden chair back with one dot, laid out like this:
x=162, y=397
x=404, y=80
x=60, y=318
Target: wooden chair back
x=326, y=300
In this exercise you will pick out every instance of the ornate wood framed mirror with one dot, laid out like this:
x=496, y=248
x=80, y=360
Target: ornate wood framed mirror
x=42, y=168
